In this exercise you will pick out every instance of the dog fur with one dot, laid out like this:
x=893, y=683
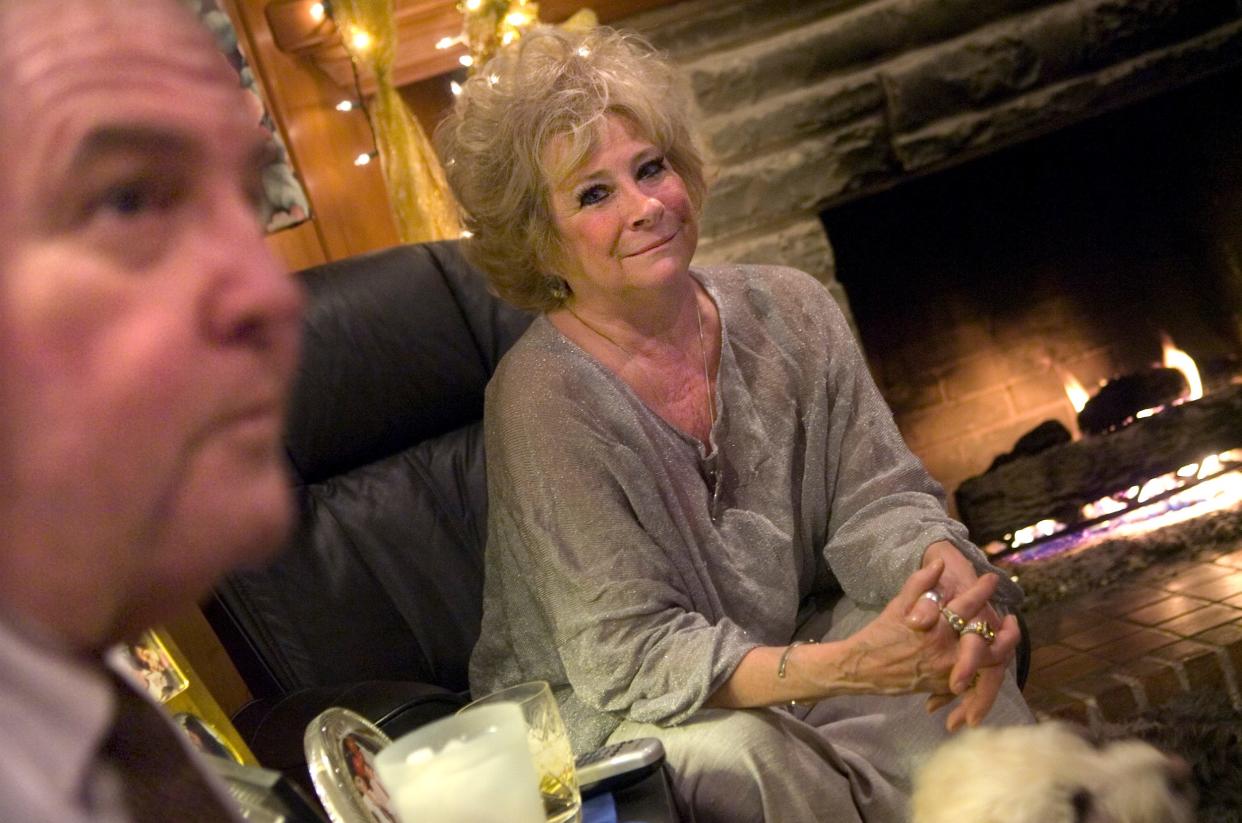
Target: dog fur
x=1050, y=773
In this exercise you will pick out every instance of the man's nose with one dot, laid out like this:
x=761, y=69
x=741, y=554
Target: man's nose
x=252, y=300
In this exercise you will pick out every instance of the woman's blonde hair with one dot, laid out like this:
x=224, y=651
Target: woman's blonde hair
x=552, y=84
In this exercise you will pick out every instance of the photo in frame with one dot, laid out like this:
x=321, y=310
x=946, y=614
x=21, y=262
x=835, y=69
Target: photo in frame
x=153, y=662
x=205, y=737
x=148, y=663
x=340, y=752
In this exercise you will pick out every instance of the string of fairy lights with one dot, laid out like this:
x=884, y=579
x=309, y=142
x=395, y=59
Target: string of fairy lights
x=487, y=25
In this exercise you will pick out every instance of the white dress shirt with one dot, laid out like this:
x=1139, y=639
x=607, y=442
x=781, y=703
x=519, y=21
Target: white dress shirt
x=56, y=708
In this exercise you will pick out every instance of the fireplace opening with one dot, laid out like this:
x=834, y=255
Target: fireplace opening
x=977, y=289
x=980, y=291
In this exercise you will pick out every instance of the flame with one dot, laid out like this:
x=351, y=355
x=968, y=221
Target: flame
x=1219, y=471
x=1078, y=396
x=1175, y=358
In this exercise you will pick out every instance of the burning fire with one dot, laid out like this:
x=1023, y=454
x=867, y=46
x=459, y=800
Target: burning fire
x=1212, y=483
x=1078, y=396
x=1215, y=481
x=1173, y=358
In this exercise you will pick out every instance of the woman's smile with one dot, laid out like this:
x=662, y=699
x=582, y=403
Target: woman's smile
x=656, y=245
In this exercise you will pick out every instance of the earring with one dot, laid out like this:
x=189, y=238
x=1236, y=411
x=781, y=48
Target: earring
x=558, y=288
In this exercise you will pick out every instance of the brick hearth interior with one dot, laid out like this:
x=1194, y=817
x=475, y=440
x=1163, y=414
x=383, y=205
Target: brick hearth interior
x=976, y=289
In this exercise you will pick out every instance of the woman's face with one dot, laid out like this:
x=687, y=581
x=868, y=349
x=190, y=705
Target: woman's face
x=624, y=219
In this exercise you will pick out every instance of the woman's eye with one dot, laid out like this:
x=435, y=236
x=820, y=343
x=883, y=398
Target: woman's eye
x=592, y=195
x=651, y=168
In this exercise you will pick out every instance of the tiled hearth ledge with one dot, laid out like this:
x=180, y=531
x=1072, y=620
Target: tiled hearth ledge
x=1136, y=640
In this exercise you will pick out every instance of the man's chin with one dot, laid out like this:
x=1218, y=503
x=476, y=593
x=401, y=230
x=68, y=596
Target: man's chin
x=170, y=593
x=220, y=535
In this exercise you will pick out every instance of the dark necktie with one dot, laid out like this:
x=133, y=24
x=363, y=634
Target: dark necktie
x=160, y=781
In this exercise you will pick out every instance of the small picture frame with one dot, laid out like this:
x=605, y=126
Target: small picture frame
x=147, y=661
x=204, y=737
x=340, y=752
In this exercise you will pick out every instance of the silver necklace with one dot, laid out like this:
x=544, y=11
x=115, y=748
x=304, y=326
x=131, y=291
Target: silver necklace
x=707, y=381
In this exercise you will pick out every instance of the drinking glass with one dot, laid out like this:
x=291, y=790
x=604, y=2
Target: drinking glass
x=549, y=746
x=468, y=768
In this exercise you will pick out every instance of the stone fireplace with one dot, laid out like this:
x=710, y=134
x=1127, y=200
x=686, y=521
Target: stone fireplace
x=1011, y=190
x=979, y=290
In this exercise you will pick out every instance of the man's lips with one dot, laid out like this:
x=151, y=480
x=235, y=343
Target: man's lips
x=261, y=421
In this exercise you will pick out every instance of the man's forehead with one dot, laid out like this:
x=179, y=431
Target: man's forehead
x=44, y=43
x=85, y=68
x=164, y=24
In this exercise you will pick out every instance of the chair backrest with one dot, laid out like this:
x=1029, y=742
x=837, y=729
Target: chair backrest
x=383, y=580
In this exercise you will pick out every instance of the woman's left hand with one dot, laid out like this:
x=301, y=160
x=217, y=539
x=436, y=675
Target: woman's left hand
x=979, y=670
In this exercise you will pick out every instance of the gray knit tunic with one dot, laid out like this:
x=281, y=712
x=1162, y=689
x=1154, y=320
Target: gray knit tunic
x=631, y=568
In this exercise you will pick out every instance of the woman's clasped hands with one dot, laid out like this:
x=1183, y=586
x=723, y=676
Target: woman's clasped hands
x=951, y=642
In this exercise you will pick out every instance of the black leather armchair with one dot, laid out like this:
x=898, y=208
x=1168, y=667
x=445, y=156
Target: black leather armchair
x=376, y=604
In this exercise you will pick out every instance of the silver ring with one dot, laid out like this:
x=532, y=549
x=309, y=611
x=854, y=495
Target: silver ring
x=981, y=628
x=932, y=595
x=955, y=620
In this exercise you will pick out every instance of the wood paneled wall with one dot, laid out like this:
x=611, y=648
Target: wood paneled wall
x=349, y=205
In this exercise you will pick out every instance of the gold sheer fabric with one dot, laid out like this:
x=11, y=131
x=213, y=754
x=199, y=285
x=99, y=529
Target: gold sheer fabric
x=417, y=191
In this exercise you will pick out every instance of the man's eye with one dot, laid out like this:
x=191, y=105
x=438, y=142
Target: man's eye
x=137, y=197
x=592, y=195
x=127, y=200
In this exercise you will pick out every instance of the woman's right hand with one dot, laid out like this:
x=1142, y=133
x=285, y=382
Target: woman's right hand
x=891, y=656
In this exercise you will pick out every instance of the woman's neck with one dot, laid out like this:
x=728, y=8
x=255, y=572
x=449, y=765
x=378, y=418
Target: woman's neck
x=640, y=325
x=667, y=352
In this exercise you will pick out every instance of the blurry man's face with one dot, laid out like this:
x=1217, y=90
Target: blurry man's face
x=152, y=337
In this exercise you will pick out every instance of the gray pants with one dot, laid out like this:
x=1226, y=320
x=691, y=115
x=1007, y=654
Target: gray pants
x=842, y=759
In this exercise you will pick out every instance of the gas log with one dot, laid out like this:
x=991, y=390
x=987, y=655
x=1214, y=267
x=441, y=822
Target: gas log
x=1123, y=398
x=1056, y=483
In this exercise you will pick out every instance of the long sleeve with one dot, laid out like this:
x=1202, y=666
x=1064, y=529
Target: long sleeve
x=574, y=516
x=884, y=510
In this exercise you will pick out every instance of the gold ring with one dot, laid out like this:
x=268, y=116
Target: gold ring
x=981, y=628
x=955, y=620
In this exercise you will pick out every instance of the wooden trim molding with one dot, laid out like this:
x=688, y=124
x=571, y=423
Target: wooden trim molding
x=420, y=25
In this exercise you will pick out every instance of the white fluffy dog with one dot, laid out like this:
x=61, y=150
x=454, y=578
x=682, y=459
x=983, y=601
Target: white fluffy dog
x=1050, y=773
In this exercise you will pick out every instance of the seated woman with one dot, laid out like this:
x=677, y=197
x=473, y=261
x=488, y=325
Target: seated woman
x=691, y=475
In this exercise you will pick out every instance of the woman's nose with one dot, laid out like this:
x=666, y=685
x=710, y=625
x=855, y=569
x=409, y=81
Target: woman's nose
x=647, y=210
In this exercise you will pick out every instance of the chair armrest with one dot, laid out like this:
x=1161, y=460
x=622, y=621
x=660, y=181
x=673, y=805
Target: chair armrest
x=650, y=800
x=274, y=728
x=1023, y=653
